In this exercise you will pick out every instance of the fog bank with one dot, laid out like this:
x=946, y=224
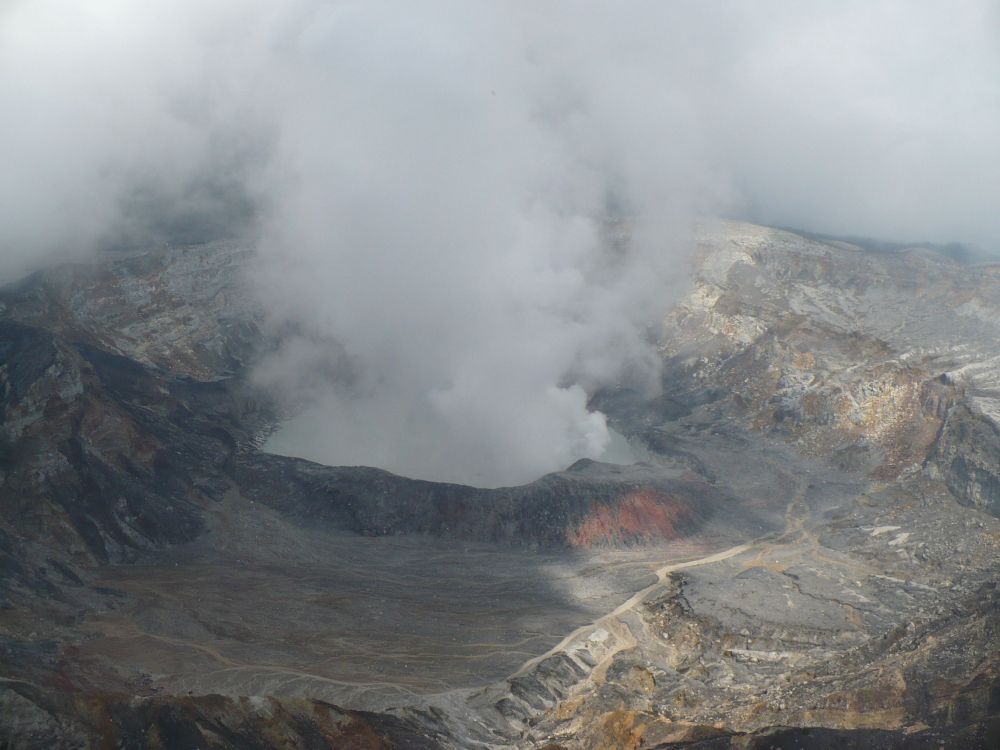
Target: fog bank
x=471, y=215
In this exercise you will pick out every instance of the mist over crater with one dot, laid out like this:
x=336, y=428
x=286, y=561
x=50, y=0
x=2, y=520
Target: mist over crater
x=307, y=435
x=470, y=219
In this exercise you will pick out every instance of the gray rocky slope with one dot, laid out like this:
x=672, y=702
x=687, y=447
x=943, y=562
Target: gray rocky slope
x=809, y=559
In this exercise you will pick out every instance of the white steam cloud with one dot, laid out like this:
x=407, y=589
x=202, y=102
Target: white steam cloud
x=469, y=215
x=456, y=180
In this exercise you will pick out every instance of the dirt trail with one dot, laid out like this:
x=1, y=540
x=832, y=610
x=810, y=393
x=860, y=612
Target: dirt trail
x=610, y=622
x=796, y=513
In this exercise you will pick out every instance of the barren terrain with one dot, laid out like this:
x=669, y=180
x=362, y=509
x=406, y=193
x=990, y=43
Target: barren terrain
x=808, y=555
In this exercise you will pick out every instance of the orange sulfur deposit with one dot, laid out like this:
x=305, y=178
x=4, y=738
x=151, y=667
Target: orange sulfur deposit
x=642, y=515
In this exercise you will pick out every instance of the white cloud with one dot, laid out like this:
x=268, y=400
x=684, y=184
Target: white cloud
x=431, y=180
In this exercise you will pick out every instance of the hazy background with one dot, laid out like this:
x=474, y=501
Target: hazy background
x=439, y=190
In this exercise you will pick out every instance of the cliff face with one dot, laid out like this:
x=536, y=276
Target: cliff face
x=186, y=311
x=844, y=353
x=809, y=556
x=967, y=457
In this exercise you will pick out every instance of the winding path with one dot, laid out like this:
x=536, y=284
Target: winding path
x=629, y=604
x=795, y=515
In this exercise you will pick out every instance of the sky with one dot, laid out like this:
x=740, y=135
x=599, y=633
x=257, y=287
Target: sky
x=439, y=192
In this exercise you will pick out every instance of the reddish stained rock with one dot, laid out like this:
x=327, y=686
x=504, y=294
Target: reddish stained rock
x=643, y=515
